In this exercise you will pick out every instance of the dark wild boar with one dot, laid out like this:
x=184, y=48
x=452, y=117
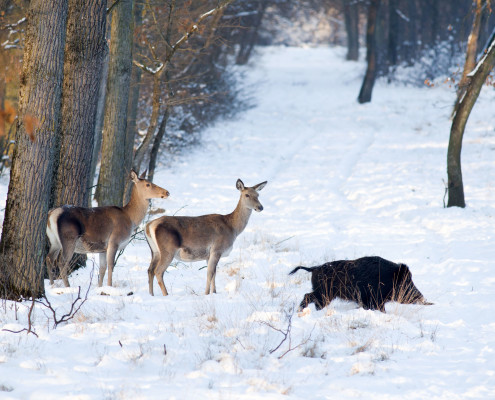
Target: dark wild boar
x=370, y=281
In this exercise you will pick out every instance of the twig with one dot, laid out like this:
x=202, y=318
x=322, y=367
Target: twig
x=299, y=345
x=109, y=10
x=22, y=330
x=29, y=329
x=290, y=237
x=74, y=307
x=287, y=334
x=179, y=210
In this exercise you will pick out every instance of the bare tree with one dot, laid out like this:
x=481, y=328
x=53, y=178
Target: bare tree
x=158, y=65
x=31, y=178
x=477, y=79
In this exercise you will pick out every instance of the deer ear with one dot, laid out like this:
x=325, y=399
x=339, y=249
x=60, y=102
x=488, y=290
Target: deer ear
x=143, y=175
x=134, y=176
x=260, y=186
x=239, y=185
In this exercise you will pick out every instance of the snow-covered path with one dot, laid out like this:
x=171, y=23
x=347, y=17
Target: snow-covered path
x=344, y=180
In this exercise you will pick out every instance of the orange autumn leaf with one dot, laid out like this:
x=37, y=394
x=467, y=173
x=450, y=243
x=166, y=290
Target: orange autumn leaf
x=30, y=124
x=7, y=115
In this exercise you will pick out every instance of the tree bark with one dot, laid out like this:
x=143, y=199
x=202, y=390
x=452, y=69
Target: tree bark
x=454, y=172
x=22, y=246
x=111, y=180
x=351, y=18
x=83, y=63
x=369, y=78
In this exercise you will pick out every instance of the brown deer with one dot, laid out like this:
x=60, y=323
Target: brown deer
x=103, y=230
x=207, y=237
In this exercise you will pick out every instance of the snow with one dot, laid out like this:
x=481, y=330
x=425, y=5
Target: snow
x=344, y=180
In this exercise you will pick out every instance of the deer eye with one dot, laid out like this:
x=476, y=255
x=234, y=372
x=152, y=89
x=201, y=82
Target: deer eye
x=148, y=185
x=247, y=195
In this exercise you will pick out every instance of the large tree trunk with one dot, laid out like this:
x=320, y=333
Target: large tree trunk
x=369, y=78
x=83, y=64
x=131, y=129
x=351, y=18
x=22, y=246
x=454, y=172
x=111, y=181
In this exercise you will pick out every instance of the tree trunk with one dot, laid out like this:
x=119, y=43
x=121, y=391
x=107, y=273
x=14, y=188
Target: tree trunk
x=22, y=246
x=369, y=78
x=351, y=17
x=111, y=181
x=100, y=109
x=161, y=131
x=471, y=50
x=156, y=143
x=454, y=172
x=131, y=129
x=144, y=146
x=251, y=35
x=83, y=63
x=393, y=30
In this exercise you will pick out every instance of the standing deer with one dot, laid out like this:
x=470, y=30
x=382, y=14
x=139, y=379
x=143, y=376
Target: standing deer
x=103, y=230
x=207, y=237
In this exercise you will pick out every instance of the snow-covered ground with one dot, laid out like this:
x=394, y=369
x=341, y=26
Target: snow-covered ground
x=344, y=180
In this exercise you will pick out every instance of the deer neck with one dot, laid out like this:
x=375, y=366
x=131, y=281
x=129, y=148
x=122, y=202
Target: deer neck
x=136, y=208
x=239, y=218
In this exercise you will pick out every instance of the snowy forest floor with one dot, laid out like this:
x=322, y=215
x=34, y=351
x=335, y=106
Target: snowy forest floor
x=344, y=181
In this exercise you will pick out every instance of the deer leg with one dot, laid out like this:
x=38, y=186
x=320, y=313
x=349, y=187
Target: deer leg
x=103, y=268
x=51, y=259
x=211, y=273
x=67, y=252
x=111, y=252
x=162, y=265
x=151, y=272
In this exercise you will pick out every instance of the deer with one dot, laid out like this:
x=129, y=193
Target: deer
x=104, y=230
x=206, y=237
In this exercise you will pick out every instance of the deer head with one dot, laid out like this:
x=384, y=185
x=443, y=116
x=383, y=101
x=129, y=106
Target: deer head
x=249, y=195
x=147, y=189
